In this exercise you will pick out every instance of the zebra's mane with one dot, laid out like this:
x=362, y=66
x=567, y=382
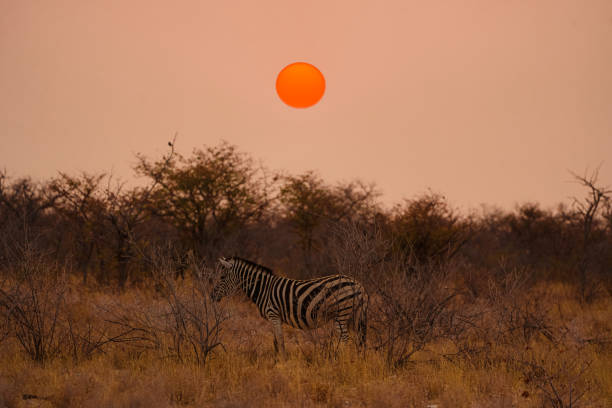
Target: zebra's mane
x=261, y=267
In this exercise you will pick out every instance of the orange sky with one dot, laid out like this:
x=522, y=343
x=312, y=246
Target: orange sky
x=487, y=101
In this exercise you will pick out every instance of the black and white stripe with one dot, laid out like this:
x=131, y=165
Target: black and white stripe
x=305, y=304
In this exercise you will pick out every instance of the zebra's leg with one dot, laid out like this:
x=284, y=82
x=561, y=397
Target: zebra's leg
x=341, y=329
x=279, y=341
x=361, y=329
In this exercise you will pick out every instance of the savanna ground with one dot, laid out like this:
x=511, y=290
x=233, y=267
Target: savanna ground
x=514, y=344
x=104, y=293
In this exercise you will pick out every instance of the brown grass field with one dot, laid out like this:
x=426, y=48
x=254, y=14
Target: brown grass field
x=567, y=359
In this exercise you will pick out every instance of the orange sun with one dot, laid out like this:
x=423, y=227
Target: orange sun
x=300, y=85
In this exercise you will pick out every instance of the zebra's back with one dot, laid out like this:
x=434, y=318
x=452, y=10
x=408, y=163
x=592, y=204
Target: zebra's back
x=311, y=303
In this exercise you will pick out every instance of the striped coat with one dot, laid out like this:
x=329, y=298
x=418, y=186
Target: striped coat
x=304, y=304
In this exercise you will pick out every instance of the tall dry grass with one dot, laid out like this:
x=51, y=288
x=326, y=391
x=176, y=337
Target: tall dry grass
x=431, y=342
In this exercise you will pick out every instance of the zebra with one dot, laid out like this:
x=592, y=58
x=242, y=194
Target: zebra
x=304, y=304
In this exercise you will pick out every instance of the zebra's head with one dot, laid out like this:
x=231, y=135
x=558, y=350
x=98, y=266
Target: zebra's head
x=228, y=280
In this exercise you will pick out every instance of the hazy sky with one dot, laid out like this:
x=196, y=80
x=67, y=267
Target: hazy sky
x=488, y=101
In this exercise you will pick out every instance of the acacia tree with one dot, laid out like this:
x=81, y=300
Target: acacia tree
x=310, y=205
x=210, y=196
x=427, y=229
x=124, y=211
x=590, y=217
x=81, y=205
x=102, y=219
x=23, y=205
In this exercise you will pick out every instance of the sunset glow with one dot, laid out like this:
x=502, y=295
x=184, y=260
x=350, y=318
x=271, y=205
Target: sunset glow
x=486, y=101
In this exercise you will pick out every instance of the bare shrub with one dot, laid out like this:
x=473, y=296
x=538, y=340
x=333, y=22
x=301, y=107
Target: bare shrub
x=411, y=304
x=32, y=300
x=517, y=312
x=508, y=317
x=87, y=335
x=413, y=309
x=182, y=322
x=559, y=376
x=39, y=312
x=360, y=249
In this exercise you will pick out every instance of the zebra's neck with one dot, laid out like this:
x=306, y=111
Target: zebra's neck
x=255, y=281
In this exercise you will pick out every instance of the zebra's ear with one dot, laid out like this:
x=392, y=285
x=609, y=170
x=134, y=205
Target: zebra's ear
x=225, y=263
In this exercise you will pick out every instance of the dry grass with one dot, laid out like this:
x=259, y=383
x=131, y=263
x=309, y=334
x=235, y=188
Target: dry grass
x=245, y=371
